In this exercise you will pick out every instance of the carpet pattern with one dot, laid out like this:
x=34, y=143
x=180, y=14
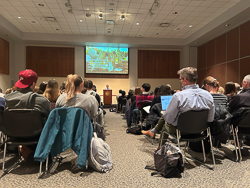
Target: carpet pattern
x=130, y=154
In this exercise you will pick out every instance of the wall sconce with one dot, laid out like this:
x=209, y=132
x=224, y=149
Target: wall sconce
x=122, y=17
x=100, y=16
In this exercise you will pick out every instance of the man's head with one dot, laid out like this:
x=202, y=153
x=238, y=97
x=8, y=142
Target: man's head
x=146, y=87
x=27, y=78
x=246, y=82
x=120, y=91
x=188, y=76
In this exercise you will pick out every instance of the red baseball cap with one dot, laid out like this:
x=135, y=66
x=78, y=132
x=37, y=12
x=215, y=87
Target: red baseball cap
x=26, y=78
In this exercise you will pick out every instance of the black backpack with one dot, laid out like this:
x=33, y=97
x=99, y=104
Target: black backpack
x=134, y=130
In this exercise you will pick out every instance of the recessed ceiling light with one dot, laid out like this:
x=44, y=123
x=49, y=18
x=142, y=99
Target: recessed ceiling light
x=41, y=5
x=190, y=26
x=110, y=9
x=137, y=23
x=227, y=25
x=174, y=12
x=19, y=17
x=80, y=20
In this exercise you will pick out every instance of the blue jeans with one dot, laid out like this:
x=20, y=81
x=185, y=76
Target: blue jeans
x=135, y=113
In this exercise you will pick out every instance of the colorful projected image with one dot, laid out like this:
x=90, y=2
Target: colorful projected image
x=106, y=60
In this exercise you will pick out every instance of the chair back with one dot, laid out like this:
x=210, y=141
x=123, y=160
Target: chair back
x=245, y=122
x=143, y=104
x=22, y=123
x=193, y=122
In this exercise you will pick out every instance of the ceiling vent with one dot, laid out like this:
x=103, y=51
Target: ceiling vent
x=50, y=19
x=164, y=24
x=33, y=21
x=110, y=22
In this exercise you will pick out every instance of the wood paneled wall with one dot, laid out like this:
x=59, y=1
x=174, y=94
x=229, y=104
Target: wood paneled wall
x=50, y=61
x=227, y=57
x=158, y=64
x=4, y=56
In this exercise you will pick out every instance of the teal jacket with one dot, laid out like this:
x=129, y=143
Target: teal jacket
x=65, y=128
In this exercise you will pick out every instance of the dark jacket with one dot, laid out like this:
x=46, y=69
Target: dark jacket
x=154, y=115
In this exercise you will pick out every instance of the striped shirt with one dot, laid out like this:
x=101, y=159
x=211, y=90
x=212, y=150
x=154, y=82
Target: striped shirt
x=220, y=99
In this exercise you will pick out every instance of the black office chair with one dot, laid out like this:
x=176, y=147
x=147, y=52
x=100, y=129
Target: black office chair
x=192, y=126
x=243, y=128
x=143, y=114
x=20, y=127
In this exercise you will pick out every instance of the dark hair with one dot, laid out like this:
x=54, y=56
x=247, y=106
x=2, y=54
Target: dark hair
x=165, y=89
x=1, y=90
x=62, y=87
x=94, y=88
x=42, y=87
x=90, y=84
x=209, y=80
x=157, y=91
x=137, y=91
x=123, y=93
x=120, y=91
x=230, y=88
x=146, y=86
x=151, y=93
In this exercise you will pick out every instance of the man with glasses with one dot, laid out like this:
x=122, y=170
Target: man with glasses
x=190, y=98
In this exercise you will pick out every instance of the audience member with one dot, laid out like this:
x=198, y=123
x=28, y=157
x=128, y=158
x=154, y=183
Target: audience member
x=8, y=91
x=1, y=92
x=42, y=87
x=74, y=98
x=230, y=90
x=62, y=87
x=52, y=91
x=240, y=100
x=164, y=89
x=36, y=90
x=211, y=85
x=221, y=90
x=24, y=98
x=190, y=98
x=130, y=93
x=118, y=95
x=144, y=97
x=137, y=92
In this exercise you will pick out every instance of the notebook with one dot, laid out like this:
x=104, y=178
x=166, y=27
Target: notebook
x=165, y=100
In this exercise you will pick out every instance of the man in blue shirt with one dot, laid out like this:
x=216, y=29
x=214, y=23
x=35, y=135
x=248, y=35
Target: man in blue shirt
x=190, y=98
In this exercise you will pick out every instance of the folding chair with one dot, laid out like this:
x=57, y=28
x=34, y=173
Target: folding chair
x=20, y=127
x=65, y=128
x=192, y=126
x=243, y=128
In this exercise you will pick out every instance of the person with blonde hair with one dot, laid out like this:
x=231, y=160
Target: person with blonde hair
x=52, y=91
x=74, y=98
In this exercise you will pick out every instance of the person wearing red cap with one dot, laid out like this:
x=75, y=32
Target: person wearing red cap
x=25, y=98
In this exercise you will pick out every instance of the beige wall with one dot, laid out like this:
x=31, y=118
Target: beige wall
x=3, y=84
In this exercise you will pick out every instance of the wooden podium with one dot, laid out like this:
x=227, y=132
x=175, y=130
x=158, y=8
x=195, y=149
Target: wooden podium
x=107, y=96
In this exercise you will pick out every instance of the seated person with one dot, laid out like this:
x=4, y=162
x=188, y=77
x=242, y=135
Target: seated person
x=52, y=91
x=120, y=99
x=130, y=93
x=240, y=100
x=74, y=98
x=25, y=98
x=190, y=98
x=144, y=97
x=230, y=90
x=118, y=95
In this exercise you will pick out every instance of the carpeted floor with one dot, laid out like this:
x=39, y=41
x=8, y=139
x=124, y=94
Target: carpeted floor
x=130, y=154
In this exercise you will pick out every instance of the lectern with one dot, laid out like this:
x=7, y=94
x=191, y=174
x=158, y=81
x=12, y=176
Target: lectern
x=107, y=96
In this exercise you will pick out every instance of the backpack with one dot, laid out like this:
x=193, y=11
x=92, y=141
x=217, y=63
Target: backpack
x=134, y=130
x=99, y=155
x=99, y=130
x=168, y=161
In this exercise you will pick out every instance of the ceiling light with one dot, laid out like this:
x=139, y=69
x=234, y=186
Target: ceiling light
x=80, y=20
x=110, y=22
x=88, y=14
x=137, y=23
x=122, y=17
x=190, y=26
x=41, y=5
x=19, y=17
x=110, y=9
x=164, y=24
x=227, y=25
x=174, y=12
x=100, y=16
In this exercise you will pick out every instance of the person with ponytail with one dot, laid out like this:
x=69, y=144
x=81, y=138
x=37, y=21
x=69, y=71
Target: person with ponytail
x=212, y=85
x=74, y=98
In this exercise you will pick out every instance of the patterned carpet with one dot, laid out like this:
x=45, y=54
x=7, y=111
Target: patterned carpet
x=130, y=154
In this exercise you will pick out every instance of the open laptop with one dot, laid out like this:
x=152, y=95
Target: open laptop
x=165, y=100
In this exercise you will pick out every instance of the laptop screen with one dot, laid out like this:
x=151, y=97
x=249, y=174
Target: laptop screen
x=165, y=100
